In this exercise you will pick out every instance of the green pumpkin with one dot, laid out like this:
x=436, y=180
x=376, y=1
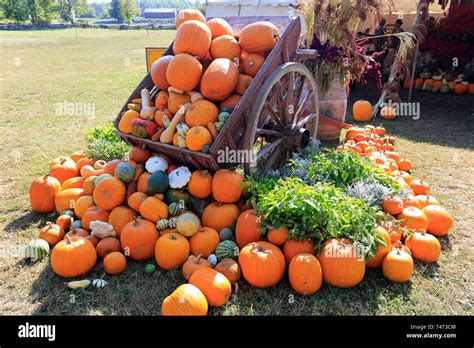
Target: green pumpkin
x=444, y=88
x=149, y=269
x=100, y=178
x=226, y=109
x=77, y=223
x=158, y=182
x=219, y=125
x=68, y=212
x=36, y=249
x=177, y=208
x=206, y=148
x=175, y=195
x=227, y=249
x=125, y=171
x=226, y=234
x=223, y=116
x=188, y=224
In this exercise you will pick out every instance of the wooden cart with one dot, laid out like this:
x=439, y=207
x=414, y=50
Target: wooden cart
x=276, y=116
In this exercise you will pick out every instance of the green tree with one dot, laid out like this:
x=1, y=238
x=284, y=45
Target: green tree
x=16, y=10
x=114, y=11
x=123, y=10
x=69, y=9
x=42, y=12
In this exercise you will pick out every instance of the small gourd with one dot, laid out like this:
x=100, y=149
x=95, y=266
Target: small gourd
x=212, y=259
x=147, y=112
x=102, y=229
x=172, y=223
x=177, y=208
x=182, y=141
x=182, y=129
x=149, y=269
x=166, y=121
x=179, y=177
x=155, y=163
x=99, y=283
x=223, y=116
x=219, y=125
x=36, y=249
x=226, y=234
x=206, y=148
x=162, y=224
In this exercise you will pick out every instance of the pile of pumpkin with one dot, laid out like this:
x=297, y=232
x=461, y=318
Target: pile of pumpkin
x=438, y=83
x=417, y=218
x=201, y=84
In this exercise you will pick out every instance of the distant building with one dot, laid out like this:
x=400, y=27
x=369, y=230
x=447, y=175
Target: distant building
x=160, y=13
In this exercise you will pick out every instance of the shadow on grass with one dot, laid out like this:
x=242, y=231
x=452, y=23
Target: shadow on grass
x=28, y=220
x=445, y=119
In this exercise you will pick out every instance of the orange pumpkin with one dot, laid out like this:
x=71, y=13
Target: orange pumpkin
x=214, y=285
x=136, y=199
x=66, y=199
x=259, y=37
x=362, y=111
x=138, y=239
x=404, y=164
x=200, y=184
x=140, y=154
x=171, y=250
x=262, y=263
x=397, y=265
x=94, y=214
x=86, y=161
x=278, y=236
x=220, y=79
x=176, y=100
x=219, y=215
x=158, y=72
x=107, y=245
x=63, y=168
x=75, y=182
x=304, y=273
x=197, y=137
x=42, y=193
x=227, y=186
x=154, y=209
x=184, y=79
x=193, y=263
x=460, y=88
x=200, y=113
x=413, y=218
x=440, y=220
x=119, y=217
x=342, y=267
x=82, y=204
x=192, y=37
x=376, y=260
x=204, y=241
x=110, y=167
x=243, y=84
x=77, y=155
x=247, y=229
x=114, y=263
x=225, y=46
x=423, y=246
x=188, y=15
x=219, y=27
x=187, y=300
x=109, y=193
x=294, y=247
x=73, y=257
x=231, y=102
x=424, y=200
x=252, y=63
x=420, y=187
x=392, y=205
x=52, y=233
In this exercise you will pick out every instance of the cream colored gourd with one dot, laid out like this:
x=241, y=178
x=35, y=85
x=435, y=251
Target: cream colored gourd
x=175, y=90
x=195, y=96
x=147, y=112
x=167, y=136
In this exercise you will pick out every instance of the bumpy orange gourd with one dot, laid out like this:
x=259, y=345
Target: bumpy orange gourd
x=247, y=229
x=75, y=182
x=42, y=193
x=154, y=209
x=439, y=220
x=259, y=37
x=138, y=239
x=109, y=193
x=230, y=268
x=227, y=186
x=341, y=265
x=187, y=299
x=294, y=247
x=219, y=215
x=171, y=250
x=304, y=273
x=262, y=264
x=424, y=247
x=73, y=257
x=114, y=263
x=220, y=79
x=204, y=241
x=192, y=37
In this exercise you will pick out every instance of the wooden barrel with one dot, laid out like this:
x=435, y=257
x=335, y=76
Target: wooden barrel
x=332, y=104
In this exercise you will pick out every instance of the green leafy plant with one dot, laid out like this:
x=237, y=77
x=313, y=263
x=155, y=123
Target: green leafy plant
x=103, y=144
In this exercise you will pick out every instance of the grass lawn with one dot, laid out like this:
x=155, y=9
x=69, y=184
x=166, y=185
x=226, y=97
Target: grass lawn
x=40, y=69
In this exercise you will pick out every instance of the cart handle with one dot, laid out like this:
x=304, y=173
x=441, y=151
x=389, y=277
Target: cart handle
x=332, y=122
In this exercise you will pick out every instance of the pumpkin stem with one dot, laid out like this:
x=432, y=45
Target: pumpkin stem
x=198, y=259
x=69, y=239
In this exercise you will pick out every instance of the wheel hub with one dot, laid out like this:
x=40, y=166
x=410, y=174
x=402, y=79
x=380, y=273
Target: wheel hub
x=296, y=137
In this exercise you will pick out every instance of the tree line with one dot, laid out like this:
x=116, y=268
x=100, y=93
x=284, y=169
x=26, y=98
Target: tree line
x=42, y=12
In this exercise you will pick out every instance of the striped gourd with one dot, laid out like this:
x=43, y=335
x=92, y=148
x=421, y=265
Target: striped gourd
x=227, y=249
x=182, y=141
x=206, y=148
x=182, y=129
x=166, y=121
x=36, y=249
x=162, y=224
x=172, y=223
x=177, y=208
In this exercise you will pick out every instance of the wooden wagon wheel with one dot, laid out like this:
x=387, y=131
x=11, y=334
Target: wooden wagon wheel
x=283, y=118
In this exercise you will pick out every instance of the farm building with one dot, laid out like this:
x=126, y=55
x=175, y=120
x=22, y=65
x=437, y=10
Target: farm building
x=159, y=13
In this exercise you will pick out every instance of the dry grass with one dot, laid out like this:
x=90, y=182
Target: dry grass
x=102, y=67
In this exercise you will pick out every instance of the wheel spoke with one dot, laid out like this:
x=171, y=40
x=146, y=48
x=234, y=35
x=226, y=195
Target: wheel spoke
x=274, y=158
x=274, y=115
x=301, y=107
x=281, y=105
x=269, y=148
x=307, y=119
x=269, y=132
